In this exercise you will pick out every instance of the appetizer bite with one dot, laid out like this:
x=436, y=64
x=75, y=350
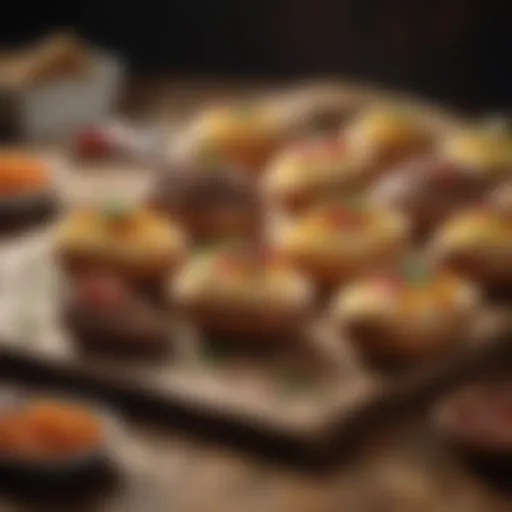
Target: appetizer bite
x=337, y=241
x=406, y=314
x=104, y=315
x=131, y=241
x=51, y=438
x=477, y=421
x=486, y=150
x=209, y=199
x=244, y=135
x=241, y=294
x=477, y=242
x=428, y=190
x=388, y=135
x=312, y=170
x=26, y=188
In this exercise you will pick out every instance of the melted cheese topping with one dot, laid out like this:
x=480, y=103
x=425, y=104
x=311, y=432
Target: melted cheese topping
x=480, y=149
x=477, y=229
x=420, y=305
x=317, y=235
x=145, y=234
x=483, y=239
x=386, y=128
x=295, y=169
x=224, y=125
x=203, y=280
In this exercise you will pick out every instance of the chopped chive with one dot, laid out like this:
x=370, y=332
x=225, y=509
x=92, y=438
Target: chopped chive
x=115, y=210
x=416, y=271
x=292, y=383
x=213, y=353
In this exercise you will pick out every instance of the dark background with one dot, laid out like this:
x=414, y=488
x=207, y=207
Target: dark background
x=455, y=50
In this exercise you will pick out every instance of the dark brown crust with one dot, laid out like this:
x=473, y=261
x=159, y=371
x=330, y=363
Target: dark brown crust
x=421, y=188
x=222, y=223
x=265, y=327
x=150, y=273
x=210, y=202
x=379, y=347
x=469, y=265
x=138, y=331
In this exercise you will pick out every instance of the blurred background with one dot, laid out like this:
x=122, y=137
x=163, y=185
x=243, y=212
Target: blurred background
x=453, y=50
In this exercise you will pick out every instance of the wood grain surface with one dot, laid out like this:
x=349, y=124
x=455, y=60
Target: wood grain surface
x=403, y=469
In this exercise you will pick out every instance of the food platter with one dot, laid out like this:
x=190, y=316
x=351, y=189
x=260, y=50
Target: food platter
x=277, y=394
x=305, y=399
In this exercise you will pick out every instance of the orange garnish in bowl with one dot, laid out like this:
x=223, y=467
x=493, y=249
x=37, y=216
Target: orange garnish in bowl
x=43, y=430
x=21, y=173
x=63, y=428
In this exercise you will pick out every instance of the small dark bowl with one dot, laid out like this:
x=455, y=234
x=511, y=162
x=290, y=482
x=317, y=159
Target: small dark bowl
x=67, y=470
x=19, y=212
x=428, y=190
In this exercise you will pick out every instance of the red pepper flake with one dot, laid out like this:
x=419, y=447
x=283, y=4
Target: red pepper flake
x=93, y=143
x=391, y=284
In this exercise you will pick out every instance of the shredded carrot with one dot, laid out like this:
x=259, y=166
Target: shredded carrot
x=21, y=173
x=47, y=429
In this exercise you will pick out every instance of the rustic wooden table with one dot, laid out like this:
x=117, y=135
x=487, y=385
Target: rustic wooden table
x=403, y=468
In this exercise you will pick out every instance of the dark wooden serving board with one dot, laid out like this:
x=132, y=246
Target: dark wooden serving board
x=303, y=402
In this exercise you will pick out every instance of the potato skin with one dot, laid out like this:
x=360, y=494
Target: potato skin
x=126, y=332
x=269, y=326
x=381, y=341
x=428, y=190
x=211, y=201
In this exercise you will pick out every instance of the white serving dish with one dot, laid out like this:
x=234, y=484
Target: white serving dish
x=53, y=109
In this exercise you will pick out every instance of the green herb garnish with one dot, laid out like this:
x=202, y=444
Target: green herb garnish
x=293, y=383
x=116, y=211
x=416, y=271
